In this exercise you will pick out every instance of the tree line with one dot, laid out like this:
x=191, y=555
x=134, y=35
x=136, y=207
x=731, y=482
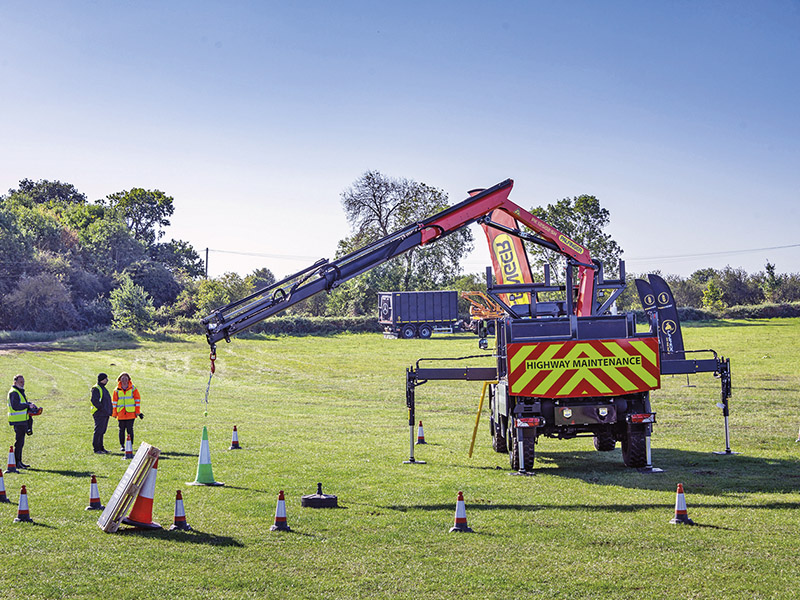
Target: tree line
x=67, y=263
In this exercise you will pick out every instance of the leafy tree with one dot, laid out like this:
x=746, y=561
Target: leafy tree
x=771, y=283
x=131, y=306
x=712, y=296
x=109, y=246
x=52, y=193
x=377, y=205
x=179, y=257
x=215, y=293
x=582, y=219
x=16, y=253
x=145, y=212
x=260, y=278
x=39, y=303
x=156, y=280
x=739, y=288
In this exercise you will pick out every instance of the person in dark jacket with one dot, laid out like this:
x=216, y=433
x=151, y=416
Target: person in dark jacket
x=18, y=406
x=101, y=411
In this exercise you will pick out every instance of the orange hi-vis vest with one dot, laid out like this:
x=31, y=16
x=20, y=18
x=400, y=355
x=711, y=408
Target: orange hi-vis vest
x=125, y=403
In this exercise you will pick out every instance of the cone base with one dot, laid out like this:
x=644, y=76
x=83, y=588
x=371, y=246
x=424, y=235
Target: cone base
x=418, y=443
x=213, y=483
x=4, y=499
x=181, y=527
x=23, y=520
x=461, y=528
x=280, y=527
x=138, y=525
x=12, y=470
x=681, y=521
x=235, y=448
x=95, y=507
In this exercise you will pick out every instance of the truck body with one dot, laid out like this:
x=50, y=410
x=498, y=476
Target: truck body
x=417, y=314
x=562, y=366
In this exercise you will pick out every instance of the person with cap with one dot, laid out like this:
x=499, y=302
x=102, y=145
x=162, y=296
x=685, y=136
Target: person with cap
x=18, y=406
x=125, y=407
x=101, y=411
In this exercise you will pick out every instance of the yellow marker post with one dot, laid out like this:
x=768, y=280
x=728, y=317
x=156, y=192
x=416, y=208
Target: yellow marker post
x=478, y=416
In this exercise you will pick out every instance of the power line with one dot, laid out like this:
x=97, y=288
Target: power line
x=704, y=254
x=264, y=255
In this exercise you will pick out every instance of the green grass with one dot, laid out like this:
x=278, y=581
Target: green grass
x=332, y=409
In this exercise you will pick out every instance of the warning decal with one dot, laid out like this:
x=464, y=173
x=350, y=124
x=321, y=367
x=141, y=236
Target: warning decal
x=584, y=368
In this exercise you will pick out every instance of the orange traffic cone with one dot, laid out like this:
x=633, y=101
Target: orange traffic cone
x=94, y=496
x=3, y=497
x=180, y=515
x=23, y=514
x=420, y=434
x=12, y=461
x=141, y=515
x=128, y=448
x=280, y=515
x=461, y=516
x=235, y=440
x=681, y=516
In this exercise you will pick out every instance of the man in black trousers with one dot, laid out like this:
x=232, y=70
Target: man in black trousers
x=101, y=411
x=18, y=406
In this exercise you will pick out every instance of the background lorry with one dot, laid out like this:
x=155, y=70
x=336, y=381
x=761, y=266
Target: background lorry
x=562, y=365
x=418, y=314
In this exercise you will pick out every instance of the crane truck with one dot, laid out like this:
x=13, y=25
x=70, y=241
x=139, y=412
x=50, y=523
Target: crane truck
x=563, y=365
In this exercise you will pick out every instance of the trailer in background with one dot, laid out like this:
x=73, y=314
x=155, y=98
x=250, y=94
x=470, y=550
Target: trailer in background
x=418, y=314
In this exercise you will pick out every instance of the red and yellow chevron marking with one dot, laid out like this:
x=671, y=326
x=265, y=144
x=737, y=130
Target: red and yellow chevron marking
x=584, y=368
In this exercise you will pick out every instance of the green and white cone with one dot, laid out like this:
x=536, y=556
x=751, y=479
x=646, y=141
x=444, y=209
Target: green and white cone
x=204, y=476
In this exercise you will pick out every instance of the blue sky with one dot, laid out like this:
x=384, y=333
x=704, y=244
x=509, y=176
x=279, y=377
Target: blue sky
x=681, y=117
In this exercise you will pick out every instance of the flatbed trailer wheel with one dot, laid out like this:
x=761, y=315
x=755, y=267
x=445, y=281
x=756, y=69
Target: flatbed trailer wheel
x=425, y=331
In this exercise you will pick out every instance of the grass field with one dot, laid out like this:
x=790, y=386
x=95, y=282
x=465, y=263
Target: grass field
x=332, y=410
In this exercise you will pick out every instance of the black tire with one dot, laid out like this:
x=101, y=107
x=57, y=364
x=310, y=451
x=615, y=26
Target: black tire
x=408, y=332
x=604, y=441
x=499, y=442
x=634, y=448
x=528, y=448
x=425, y=331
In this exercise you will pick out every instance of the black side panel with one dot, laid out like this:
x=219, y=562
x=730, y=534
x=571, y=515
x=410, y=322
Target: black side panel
x=669, y=330
x=647, y=297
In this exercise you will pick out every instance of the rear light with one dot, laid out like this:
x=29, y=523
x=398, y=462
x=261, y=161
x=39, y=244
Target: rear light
x=530, y=422
x=642, y=418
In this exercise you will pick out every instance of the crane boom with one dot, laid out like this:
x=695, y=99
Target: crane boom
x=326, y=275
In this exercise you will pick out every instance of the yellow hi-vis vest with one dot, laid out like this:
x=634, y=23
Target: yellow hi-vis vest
x=125, y=400
x=99, y=389
x=17, y=416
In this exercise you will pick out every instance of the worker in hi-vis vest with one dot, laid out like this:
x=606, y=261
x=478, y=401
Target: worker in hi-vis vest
x=101, y=411
x=18, y=417
x=125, y=407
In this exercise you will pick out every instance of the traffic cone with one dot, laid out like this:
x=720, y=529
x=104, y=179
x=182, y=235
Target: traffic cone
x=141, y=515
x=3, y=497
x=681, y=516
x=420, y=434
x=235, y=440
x=280, y=515
x=461, y=516
x=180, y=515
x=128, y=448
x=12, y=461
x=94, y=496
x=23, y=514
x=205, y=475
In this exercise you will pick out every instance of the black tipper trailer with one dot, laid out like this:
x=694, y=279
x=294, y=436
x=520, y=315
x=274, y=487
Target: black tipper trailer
x=418, y=314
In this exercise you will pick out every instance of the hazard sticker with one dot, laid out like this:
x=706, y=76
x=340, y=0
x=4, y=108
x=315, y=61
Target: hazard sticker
x=574, y=369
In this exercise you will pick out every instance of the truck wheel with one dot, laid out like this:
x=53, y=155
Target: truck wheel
x=408, y=332
x=425, y=331
x=528, y=448
x=499, y=442
x=604, y=441
x=634, y=449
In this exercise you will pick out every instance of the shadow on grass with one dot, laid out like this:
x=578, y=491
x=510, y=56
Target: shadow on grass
x=64, y=472
x=703, y=473
x=185, y=537
x=167, y=455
